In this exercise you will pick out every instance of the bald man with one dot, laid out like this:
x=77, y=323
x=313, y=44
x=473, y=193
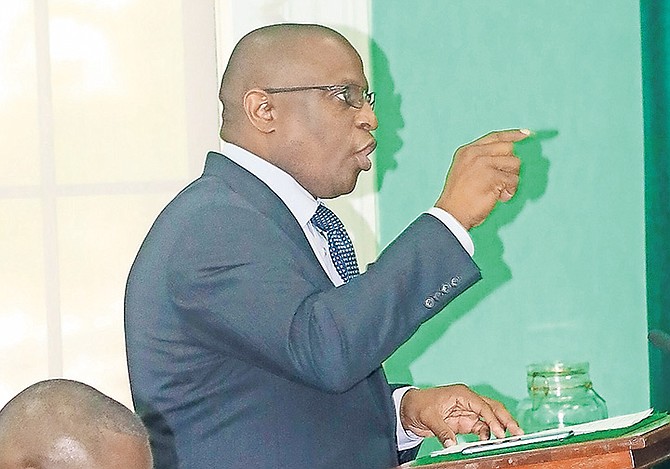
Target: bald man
x=252, y=339
x=64, y=424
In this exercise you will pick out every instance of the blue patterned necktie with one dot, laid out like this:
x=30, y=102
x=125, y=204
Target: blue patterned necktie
x=340, y=246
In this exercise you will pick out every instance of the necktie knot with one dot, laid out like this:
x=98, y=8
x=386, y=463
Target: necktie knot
x=340, y=246
x=325, y=220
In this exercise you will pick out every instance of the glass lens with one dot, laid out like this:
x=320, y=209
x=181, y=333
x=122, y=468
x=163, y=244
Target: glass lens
x=354, y=96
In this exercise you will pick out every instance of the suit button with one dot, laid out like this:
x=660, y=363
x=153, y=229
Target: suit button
x=438, y=295
x=445, y=288
x=455, y=281
x=429, y=303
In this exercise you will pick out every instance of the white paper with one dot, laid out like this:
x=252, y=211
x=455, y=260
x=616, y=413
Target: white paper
x=612, y=423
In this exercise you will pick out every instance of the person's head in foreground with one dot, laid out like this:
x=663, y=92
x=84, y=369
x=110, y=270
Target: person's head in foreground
x=64, y=424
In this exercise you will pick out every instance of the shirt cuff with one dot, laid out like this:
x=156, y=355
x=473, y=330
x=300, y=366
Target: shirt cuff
x=404, y=438
x=455, y=227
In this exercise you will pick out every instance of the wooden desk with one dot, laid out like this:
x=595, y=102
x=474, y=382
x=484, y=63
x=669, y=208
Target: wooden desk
x=615, y=453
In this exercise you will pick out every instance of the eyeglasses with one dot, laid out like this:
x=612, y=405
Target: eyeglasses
x=354, y=95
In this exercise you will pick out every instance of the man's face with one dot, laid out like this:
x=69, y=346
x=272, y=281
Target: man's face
x=320, y=140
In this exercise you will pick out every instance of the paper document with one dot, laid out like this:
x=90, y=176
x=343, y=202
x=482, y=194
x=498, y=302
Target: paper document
x=558, y=434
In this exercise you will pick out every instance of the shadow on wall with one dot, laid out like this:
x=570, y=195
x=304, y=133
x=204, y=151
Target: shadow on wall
x=489, y=256
x=533, y=181
x=387, y=108
x=489, y=249
x=489, y=246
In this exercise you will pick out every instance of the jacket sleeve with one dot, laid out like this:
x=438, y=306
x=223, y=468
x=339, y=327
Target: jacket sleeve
x=260, y=298
x=408, y=454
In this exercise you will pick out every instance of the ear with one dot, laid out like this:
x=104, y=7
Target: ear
x=259, y=110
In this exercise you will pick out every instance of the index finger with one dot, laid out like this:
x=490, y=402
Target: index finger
x=513, y=135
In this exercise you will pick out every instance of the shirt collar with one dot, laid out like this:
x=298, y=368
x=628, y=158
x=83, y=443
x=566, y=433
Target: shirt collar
x=300, y=202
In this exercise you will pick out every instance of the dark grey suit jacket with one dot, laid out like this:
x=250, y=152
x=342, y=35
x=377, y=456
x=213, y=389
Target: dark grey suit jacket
x=242, y=353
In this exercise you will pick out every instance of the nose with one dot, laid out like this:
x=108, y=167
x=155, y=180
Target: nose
x=366, y=118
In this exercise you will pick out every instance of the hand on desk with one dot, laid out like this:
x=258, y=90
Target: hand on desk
x=446, y=411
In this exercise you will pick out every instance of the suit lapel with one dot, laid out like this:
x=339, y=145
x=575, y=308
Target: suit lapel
x=270, y=206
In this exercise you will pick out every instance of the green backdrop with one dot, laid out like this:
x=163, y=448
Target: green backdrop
x=564, y=261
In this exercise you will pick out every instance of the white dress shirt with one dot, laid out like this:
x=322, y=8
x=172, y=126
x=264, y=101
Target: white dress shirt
x=303, y=205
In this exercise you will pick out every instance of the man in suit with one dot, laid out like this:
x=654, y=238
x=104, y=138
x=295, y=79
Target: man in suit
x=252, y=341
x=65, y=424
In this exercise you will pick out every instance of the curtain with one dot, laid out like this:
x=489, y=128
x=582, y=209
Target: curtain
x=655, y=17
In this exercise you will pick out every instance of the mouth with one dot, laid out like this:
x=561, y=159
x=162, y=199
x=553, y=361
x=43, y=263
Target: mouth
x=362, y=155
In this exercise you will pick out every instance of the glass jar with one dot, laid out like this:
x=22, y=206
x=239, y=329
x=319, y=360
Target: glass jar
x=560, y=394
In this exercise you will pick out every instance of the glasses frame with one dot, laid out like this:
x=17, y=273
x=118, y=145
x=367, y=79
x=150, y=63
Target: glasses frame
x=365, y=96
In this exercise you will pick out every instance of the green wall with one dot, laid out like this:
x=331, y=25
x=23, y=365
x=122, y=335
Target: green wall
x=564, y=261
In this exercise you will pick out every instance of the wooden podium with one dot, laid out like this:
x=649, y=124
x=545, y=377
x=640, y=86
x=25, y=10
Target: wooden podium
x=614, y=453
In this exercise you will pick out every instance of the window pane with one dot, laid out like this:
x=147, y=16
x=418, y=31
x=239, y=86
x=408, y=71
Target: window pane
x=19, y=153
x=23, y=337
x=118, y=91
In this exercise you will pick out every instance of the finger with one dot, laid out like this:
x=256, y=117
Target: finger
x=447, y=437
x=508, y=186
x=514, y=135
x=503, y=417
x=492, y=149
x=486, y=413
x=514, y=429
x=505, y=195
x=481, y=430
x=508, y=164
x=436, y=424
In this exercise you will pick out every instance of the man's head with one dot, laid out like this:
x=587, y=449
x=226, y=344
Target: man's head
x=63, y=424
x=316, y=135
